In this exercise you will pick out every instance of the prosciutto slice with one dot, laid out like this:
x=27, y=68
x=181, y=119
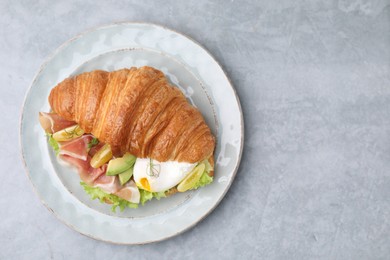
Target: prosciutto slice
x=109, y=184
x=51, y=122
x=95, y=177
x=87, y=173
x=129, y=192
x=77, y=148
x=95, y=149
x=77, y=153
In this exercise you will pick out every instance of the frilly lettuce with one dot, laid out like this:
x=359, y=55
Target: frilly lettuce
x=97, y=193
x=53, y=143
x=147, y=195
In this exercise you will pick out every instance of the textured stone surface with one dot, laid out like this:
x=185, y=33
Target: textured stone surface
x=314, y=82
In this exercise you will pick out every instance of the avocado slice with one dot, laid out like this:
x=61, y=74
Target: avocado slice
x=120, y=165
x=192, y=178
x=126, y=175
x=129, y=158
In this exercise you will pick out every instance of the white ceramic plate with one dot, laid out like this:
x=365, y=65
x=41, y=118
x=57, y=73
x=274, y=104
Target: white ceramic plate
x=188, y=66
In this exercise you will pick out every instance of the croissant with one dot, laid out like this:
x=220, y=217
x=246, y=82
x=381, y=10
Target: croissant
x=135, y=110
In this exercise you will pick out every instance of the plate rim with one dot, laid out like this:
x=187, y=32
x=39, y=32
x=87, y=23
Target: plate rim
x=48, y=58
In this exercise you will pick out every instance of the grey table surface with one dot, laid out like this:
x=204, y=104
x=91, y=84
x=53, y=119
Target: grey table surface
x=314, y=82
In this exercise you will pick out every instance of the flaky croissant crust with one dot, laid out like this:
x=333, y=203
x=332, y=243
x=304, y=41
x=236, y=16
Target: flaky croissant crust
x=135, y=110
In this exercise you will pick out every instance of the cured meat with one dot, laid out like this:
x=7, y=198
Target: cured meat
x=109, y=184
x=95, y=149
x=77, y=148
x=129, y=192
x=87, y=173
x=51, y=122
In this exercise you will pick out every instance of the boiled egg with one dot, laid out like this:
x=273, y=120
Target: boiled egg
x=155, y=176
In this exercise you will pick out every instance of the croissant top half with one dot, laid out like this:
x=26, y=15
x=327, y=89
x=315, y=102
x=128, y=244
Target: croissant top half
x=135, y=110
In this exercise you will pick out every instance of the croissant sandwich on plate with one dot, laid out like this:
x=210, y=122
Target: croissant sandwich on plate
x=131, y=135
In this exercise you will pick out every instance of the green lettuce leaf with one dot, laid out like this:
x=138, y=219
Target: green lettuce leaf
x=53, y=143
x=204, y=180
x=147, y=195
x=97, y=193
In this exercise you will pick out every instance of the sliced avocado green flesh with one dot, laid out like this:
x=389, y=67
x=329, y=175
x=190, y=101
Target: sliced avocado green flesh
x=125, y=176
x=192, y=178
x=129, y=158
x=119, y=165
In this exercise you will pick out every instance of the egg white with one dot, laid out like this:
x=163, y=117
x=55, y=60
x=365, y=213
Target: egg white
x=162, y=175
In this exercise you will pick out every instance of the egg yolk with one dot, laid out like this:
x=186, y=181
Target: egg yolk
x=145, y=184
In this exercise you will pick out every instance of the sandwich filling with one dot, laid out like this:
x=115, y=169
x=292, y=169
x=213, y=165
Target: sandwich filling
x=125, y=181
